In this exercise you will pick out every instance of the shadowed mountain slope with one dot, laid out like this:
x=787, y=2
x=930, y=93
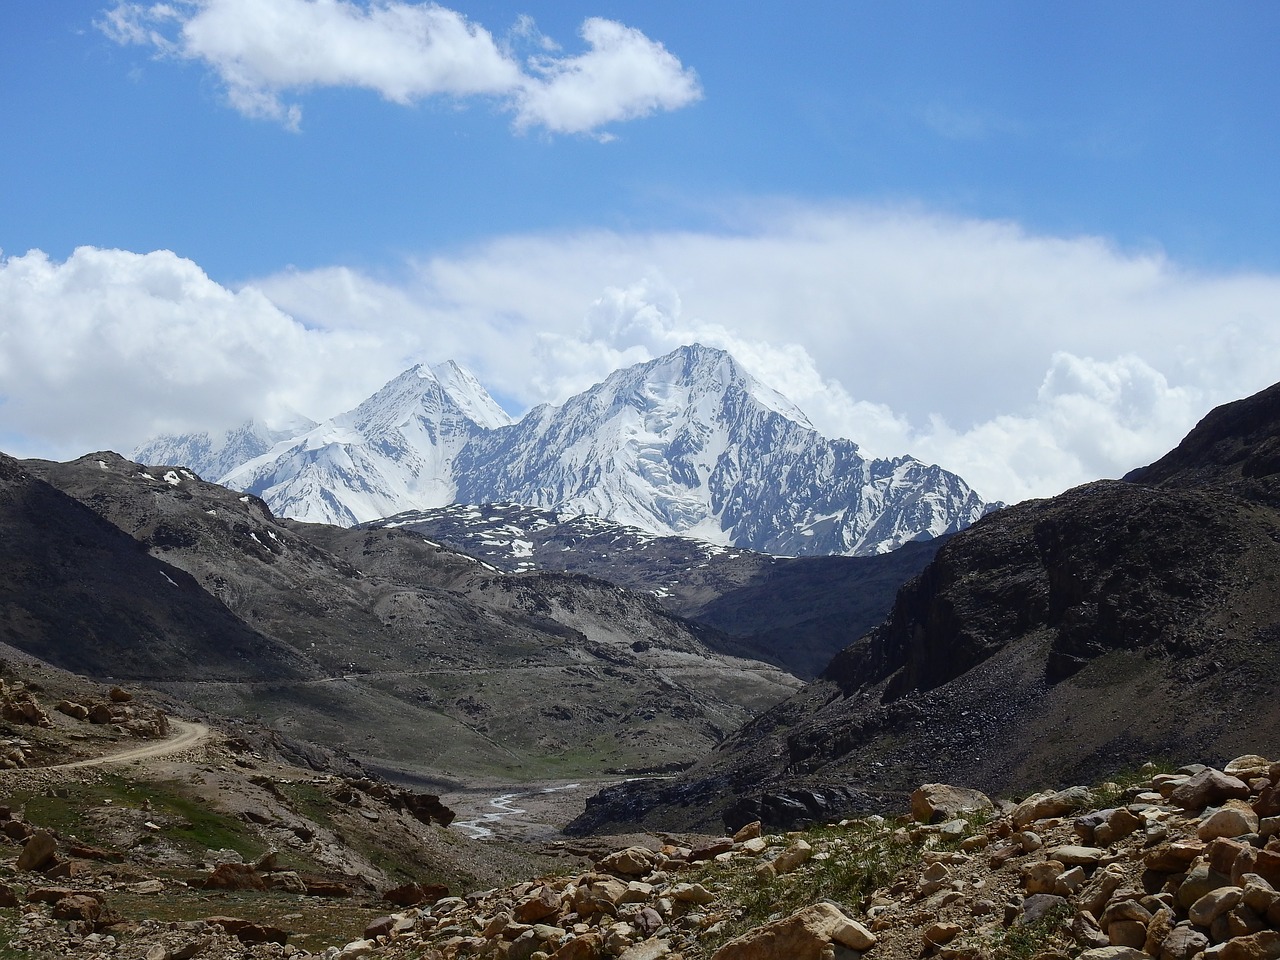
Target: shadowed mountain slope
x=411, y=656
x=1057, y=640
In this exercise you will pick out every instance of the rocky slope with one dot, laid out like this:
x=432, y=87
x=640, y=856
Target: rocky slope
x=1016, y=656
x=687, y=444
x=220, y=852
x=796, y=612
x=416, y=659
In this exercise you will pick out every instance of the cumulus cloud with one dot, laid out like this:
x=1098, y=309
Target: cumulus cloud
x=1025, y=363
x=264, y=50
x=110, y=347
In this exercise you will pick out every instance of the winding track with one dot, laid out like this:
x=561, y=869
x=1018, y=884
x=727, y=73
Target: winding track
x=185, y=736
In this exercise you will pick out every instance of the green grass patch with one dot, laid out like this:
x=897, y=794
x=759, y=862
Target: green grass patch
x=861, y=857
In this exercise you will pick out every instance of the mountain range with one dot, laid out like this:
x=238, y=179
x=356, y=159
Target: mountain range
x=688, y=444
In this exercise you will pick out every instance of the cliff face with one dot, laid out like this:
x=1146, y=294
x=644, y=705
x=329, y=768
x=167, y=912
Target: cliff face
x=1062, y=638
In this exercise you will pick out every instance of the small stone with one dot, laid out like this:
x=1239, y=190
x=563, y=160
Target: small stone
x=1077, y=856
x=791, y=858
x=692, y=893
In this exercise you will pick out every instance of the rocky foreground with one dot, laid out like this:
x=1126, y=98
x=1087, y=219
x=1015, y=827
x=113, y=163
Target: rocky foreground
x=1175, y=866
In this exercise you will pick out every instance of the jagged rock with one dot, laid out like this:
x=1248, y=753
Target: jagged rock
x=750, y=831
x=805, y=935
x=936, y=802
x=544, y=903
x=38, y=852
x=1259, y=946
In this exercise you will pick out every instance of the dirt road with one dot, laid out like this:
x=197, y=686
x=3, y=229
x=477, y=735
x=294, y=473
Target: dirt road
x=185, y=735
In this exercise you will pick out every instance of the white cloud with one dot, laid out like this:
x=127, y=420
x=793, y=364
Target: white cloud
x=263, y=50
x=1025, y=363
x=110, y=347
x=623, y=76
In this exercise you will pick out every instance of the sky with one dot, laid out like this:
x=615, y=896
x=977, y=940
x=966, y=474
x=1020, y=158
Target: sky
x=1033, y=243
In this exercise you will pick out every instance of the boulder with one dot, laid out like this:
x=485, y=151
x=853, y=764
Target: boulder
x=805, y=935
x=234, y=876
x=1208, y=788
x=938, y=802
x=1041, y=806
x=38, y=853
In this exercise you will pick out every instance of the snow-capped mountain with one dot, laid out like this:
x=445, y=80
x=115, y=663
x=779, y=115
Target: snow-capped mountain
x=691, y=444
x=688, y=444
x=392, y=452
x=214, y=455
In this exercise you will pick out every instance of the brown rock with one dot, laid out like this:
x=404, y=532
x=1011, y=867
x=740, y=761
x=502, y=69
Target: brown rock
x=936, y=802
x=1267, y=866
x=633, y=861
x=235, y=876
x=1054, y=804
x=69, y=870
x=38, y=852
x=1267, y=803
x=79, y=906
x=246, y=931
x=805, y=935
x=1183, y=943
x=940, y=933
x=750, y=831
x=1213, y=904
x=711, y=850
x=8, y=898
x=1127, y=933
x=379, y=927
x=544, y=903
x=1233, y=819
x=1159, y=927
x=117, y=695
x=72, y=709
x=588, y=946
x=1259, y=946
x=789, y=859
x=85, y=852
x=1173, y=857
x=1077, y=856
x=1085, y=930
x=413, y=894
x=1209, y=788
x=320, y=887
x=1042, y=877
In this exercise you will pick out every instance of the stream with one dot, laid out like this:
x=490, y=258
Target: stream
x=504, y=807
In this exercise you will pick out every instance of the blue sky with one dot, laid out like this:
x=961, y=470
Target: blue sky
x=1033, y=242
